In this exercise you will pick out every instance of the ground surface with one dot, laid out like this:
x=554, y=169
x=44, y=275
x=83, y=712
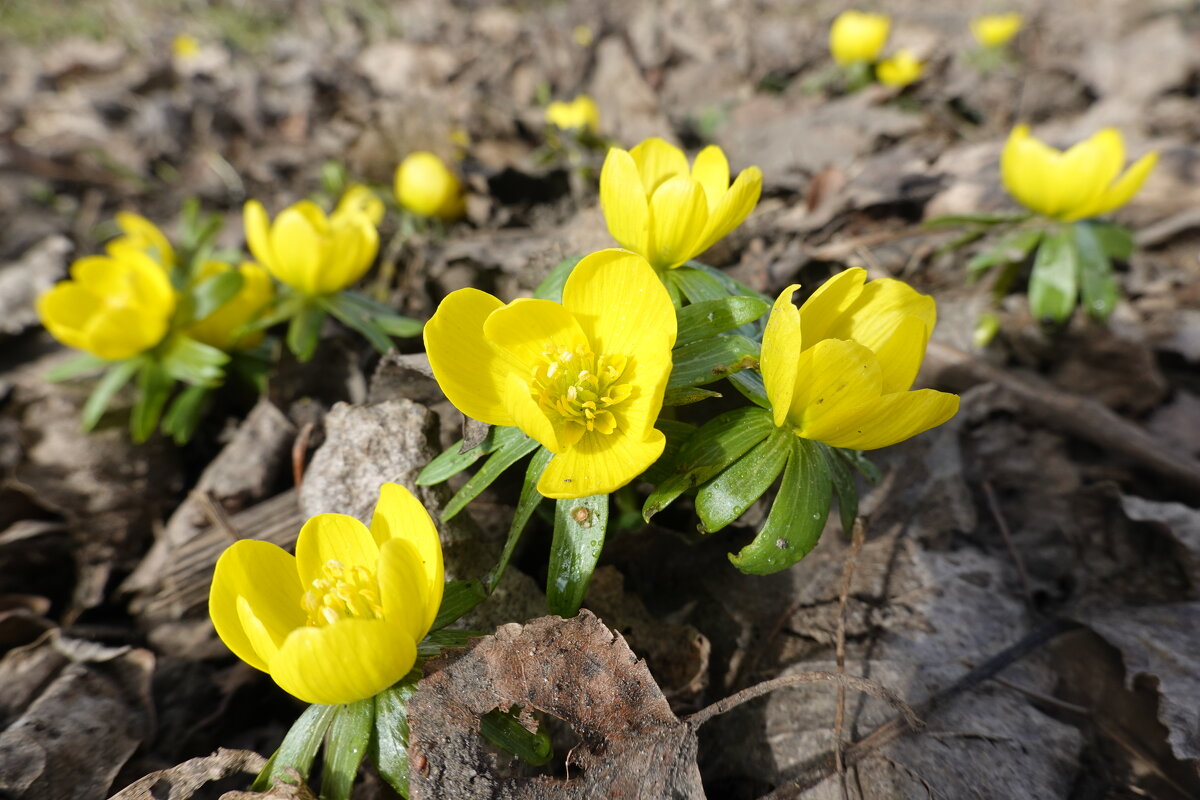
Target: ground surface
x=1057, y=533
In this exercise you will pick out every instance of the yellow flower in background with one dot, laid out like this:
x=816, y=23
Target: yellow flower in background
x=428, y=188
x=839, y=369
x=582, y=35
x=360, y=198
x=996, y=30
x=579, y=113
x=141, y=235
x=659, y=209
x=856, y=36
x=340, y=620
x=113, y=307
x=220, y=328
x=585, y=378
x=900, y=69
x=185, y=46
x=310, y=252
x=1082, y=182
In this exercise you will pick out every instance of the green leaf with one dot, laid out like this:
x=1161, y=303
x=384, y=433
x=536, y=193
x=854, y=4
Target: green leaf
x=287, y=306
x=797, y=516
x=686, y=395
x=458, y=598
x=1054, y=283
x=154, y=386
x=984, y=220
x=381, y=316
x=399, y=326
x=77, y=365
x=727, y=496
x=185, y=412
x=299, y=747
x=453, y=461
x=436, y=641
x=551, y=287
x=711, y=360
x=579, y=526
x=504, y=729
x=730, y=285
x=530, y=499
x=117, y=376
x=349, y=739
x=716, y=445
x=504, y=456
x=213, y=292
x=1098, y=284
x=1116, y=241
x=842, y=477
x=357, y=318
x=193, y=362
x=711, y=317
x=750, y=383
x=1012, y=247
x=389, y=745
x=305, y=330
x=696, y=285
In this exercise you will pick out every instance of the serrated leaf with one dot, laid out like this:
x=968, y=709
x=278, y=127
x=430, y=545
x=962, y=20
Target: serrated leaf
x=750, y=383
x=185, y=412
x=797, y=516
x=710, y=360
x=677, y=433
x=841, y=476
x=982, y=220
x=731, y=285
x=154, y=387
x=712, y=448
x=503, y=729
x=389, y=744
x=117, y=376
x=579, y=526
x=349, y=739
x=711, y=317
x=1116, y=241
x=436, y=641
x=458, y=598
x=857, y=459
x=454, y=460
x=551, y=287
x=695, y=285
x=299, y=747
x=1012, y=247
x=528, y=502
x=213, y=292
x=687, y=395
x=1098, y=285
x=75, y=366
x=503, y=457
x=193, y=362
x=727, y=496
x=304, y=331
x=357, y=318
x=1054, y=283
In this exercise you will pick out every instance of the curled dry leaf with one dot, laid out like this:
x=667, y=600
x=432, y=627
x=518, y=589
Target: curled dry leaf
x=182, y=781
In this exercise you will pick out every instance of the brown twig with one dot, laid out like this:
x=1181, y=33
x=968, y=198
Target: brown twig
x=299, y=448
x=759, y=689
x=839, y=717
x=1078, y=416
x=1002, y=524
x=216, y=514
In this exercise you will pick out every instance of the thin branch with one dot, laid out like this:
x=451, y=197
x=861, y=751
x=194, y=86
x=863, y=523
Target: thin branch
x=1001, y=523
x=839, y=718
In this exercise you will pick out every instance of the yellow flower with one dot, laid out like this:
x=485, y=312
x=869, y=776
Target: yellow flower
x=219, y=329
x=340, y=620
x=142, y=235
x=360, y=198
x=584, y=378
x=310, y=252
x=1083, y=182
x=657, y=209
x=426, y=187
x=900, y=69
x=856, y=36
x=185, y=46
x=579, y=113
x=838, y=370
x=114, y=307
x=996, y=30
x=582, y=35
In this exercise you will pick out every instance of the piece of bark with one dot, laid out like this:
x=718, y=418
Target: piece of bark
x=184, y=780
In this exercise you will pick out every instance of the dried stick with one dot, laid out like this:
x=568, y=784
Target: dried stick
x=1001, y=523
x=839, y=718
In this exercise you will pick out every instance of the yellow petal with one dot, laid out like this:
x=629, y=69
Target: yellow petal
x=901, y=352
x=334, y=537
x=261, y=638
x=658, y=161
x=146, y=236
x=856, y=36
x=781, y=345
x=620, y=303
x=995, y=30
x=548, y=430
x=599, y=464
x=117, y=333
x=467, y=368
x=525, y=331
x=872, y=317
x=894, y=418
x=734, y=207
x=265, y=576
x=711, y=170
x=823, y=308
x=65, y=310
x=834, y=379
x=258, y=235
x=1122, y=190
x=360, y=199
x=350, y=660
x=624, y=202
x=1027, y=169
x=900, y=69
x=354, y=243
x=404, y=589
x=678, y=216
x=425, y=185
x=400, y=515
x=297, y=249
x=1085, y=170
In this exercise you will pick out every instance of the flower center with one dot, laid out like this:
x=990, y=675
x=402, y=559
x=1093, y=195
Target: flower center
x=340, y=593
x=580, y=388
